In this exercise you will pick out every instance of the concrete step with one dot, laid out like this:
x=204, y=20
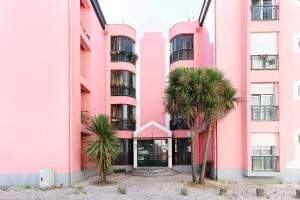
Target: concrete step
x=152, y=171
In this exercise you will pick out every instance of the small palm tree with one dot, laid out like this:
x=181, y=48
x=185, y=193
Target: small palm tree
x=218, y=98
x=104, y=146
x=181, y=99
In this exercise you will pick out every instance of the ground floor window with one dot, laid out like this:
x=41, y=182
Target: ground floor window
x=126, y=153
x=182, y=151
x=264, y=152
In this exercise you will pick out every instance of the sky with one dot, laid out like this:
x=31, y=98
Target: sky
x=137, y=12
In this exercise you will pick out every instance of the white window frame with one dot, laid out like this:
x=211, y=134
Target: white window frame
x=295, y=42
x=296, y=90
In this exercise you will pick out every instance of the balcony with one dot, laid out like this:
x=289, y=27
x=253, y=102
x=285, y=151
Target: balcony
x=264, y=113
x=84, y=39
x=178, y=124
x=261, y=13
x=187, y=54
x=122, y=90
x=123, y=124
x=264, y=163
x=264, y=62
x=123, y=56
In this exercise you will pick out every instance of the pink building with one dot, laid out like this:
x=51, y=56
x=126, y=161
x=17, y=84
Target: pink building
x=72, y=65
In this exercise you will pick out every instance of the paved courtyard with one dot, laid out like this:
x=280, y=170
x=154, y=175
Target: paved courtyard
x=158, y=188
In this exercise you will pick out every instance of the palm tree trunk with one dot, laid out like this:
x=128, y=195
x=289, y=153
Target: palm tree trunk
x=193, y=157
x=201, y=178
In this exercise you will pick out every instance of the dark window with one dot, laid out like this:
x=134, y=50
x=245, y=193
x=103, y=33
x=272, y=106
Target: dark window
x=123, y=116
x=122, y=43
x=125, y=156
x=182, y=48
x=122, y=83
x=264, y=10
x=122, y=49
x=182, y=151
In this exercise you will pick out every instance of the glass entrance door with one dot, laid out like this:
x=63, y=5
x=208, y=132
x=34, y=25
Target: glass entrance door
x=152, y=153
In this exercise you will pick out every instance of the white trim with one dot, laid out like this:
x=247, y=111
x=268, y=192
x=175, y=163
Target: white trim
x=295, y=163
x=153, y=123
x=295, y=90
x=295, y=43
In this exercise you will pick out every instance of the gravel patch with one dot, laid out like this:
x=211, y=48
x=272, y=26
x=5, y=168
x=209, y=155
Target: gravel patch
x=147, y=188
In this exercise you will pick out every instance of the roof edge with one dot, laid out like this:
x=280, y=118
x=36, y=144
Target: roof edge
x=99, y=13
x=203, y=12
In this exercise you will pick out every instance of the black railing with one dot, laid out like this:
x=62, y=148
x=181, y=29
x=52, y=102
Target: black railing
x=178, y=124
x=264, y=62
x=265, y=12
x=123, y=56
x=264, y=163
x=123, y=124
x=269, y=113
x=187, y=54
x=122, y=90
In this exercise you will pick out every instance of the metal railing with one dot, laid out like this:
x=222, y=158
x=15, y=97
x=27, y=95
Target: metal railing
x=123, y=124
x=186, y=54
x=268, y=113
x=264, y=163
x=123, y=90
x=264, y=62
x=265, y=12
x=178, y=124
x=123, y=56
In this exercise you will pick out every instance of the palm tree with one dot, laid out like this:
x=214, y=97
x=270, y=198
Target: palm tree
x=218, y=98
x=180, y=99
x=104, y=145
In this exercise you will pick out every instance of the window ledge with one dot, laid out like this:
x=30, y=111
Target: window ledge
x=261, y=174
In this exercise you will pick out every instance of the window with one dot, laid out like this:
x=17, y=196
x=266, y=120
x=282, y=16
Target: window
x=264, y=53
x=182, y=48
x=296, y=90
x=296, y=43
x=182, y=151
x=122, y=83
x=297, y=2
x=264, y=10
x=122, y=49
x=264, y=152
x=263, y=102
x=122, y=43
x=125, y=156
x=123, y=116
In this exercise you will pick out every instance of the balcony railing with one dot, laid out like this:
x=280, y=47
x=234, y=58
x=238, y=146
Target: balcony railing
x=123, y=56
x=268, y=113
x=264, y=62
x=187, y=54
x=178, y=124
x=265, y=12
x=122, y=90
x=123, y=124
x=264, y=163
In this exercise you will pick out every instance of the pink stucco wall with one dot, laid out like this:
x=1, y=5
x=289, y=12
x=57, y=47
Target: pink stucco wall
x=42, y=86
x=34, y=119
x=152, y=75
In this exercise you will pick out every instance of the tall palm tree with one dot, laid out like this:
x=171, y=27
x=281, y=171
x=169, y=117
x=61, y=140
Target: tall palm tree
x=103, y=146
x=218, y=98
x=181, y=100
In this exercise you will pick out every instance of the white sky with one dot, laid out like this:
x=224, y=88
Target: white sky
x=137, y=12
